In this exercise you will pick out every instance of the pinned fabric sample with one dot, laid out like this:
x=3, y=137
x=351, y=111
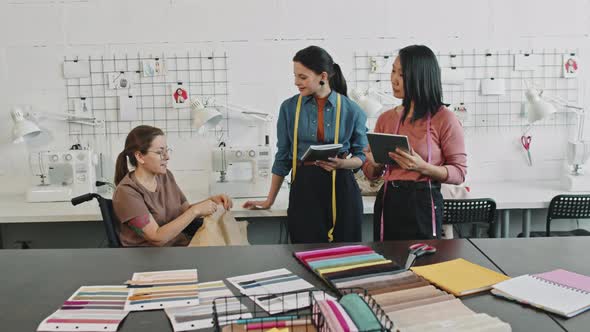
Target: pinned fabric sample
x=197, y=317
x=525, y=62
x=263, y=289
x=76, y=69
x=453, y=76
x=179, y=95
x=91, y=308
x=571, y=66
x=153, y=67
x=118, y=80
x=82, y=106
x=162, y=289
x=493, y=87
x=128, y=108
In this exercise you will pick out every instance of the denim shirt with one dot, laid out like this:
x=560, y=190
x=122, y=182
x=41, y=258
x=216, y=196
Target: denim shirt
x=352, y=136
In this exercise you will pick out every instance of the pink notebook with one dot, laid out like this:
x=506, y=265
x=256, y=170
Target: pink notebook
x=567, y=279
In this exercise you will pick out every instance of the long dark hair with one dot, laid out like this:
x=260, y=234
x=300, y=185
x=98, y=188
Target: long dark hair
x=318, y=60
x=422, y=83
x=138, y=139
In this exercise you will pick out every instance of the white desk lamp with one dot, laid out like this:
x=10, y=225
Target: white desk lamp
x=204, y=115
x=25, y=122
x=23, y=128
x=366, y=99
x=578, y=150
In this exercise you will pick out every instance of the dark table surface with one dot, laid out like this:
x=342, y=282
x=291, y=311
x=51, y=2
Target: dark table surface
x=534, y=255
x=34, y=283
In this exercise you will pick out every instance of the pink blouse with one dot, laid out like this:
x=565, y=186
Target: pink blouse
x=448, y=144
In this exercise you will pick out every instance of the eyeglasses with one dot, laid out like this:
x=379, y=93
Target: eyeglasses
x=162, y=153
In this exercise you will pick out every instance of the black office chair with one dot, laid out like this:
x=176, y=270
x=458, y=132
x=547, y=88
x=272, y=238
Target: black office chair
x=109, y=218
x=476, y=212
x=566, y=207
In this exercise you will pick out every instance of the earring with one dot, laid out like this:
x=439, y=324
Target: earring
x=322, y=83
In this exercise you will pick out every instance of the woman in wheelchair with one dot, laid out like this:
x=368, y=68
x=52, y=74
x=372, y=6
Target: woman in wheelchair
x=152, y=209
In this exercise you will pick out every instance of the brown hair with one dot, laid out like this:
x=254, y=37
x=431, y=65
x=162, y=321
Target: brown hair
x=138, y=139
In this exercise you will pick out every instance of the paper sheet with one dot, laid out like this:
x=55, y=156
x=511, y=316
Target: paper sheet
x=162, y=289
x=91, y=308
x=201, y=316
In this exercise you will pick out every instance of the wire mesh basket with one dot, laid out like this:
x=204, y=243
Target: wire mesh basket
x=305, y=317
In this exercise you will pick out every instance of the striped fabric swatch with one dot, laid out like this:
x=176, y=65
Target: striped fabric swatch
x=350, y=266
x=90, y=308
x=162, y=289
x=336, y=319
x=201, y=316
x=266, y=288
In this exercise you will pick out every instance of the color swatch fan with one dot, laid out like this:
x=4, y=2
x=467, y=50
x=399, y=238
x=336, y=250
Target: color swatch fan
x=263, y=288
x=91, y=308
x=162, y=289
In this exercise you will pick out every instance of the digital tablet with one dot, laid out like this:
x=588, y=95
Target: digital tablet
x=381, y=144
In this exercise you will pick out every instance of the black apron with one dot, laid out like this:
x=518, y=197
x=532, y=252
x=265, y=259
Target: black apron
x=310, y=206
x=407, y=214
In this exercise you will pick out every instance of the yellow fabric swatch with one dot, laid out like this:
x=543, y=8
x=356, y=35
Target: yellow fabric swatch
x=348, y=267
x=460, y=277
x=275, y=329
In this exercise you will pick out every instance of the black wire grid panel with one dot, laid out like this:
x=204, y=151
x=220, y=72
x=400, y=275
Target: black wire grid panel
x=309, y=313
x=486, y=111
x=204, y=75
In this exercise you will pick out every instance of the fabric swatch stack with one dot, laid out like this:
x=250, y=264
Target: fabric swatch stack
x=357, y=266
x=407, y=296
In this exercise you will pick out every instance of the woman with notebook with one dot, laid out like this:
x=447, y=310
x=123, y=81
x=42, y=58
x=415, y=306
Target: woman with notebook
x=409, y=205
x=325, y=202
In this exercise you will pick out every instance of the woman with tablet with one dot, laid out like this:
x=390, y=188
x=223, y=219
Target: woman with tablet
x=409, y=205
x=325, y=203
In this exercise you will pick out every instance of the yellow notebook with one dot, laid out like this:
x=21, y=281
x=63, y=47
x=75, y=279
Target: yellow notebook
x=460, y=277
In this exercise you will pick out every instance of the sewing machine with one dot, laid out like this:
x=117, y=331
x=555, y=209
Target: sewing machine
x=242, y=172
x=69, y=174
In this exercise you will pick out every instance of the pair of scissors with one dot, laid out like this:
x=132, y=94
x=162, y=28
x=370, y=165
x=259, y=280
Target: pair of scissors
x=416, y=250
x=526, y=144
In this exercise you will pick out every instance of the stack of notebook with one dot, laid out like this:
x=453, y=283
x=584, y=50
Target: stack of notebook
x=559, y=291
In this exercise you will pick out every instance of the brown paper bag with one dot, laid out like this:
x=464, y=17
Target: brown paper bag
x=221, y=229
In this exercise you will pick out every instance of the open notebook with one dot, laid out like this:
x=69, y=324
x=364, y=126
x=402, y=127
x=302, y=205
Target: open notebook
x=562, y=292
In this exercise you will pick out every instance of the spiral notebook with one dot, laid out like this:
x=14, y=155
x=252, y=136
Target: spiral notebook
x=562, y=292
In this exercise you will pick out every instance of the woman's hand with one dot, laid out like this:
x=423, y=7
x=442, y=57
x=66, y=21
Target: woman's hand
x=203, y=209
x=224, y=200
x=410, y=161
x=257, y=205
x=371, y=161
x=331, y=164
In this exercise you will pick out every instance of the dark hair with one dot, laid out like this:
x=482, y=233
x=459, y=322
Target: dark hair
x=422, y=83
x=318, y=60
x=138, y=139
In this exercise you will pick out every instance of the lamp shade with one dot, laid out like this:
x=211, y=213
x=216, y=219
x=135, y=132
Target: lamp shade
x=22, y=127
x=537, y=108
x=366, y=102
x=204, y=115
